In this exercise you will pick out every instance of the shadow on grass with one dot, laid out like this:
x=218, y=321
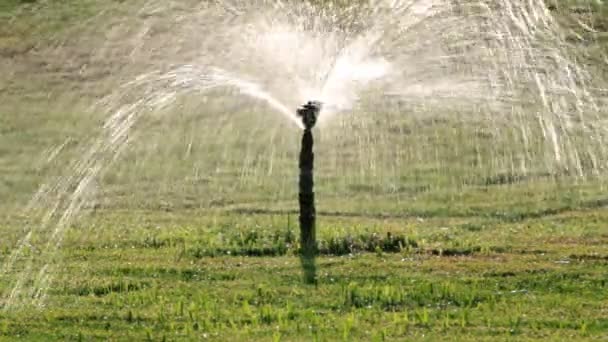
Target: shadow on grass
x=309, y=267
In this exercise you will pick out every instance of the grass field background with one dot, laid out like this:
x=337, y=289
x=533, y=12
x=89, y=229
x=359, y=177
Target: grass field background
x=192, y=233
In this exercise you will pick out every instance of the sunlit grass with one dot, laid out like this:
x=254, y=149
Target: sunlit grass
x=193, y=231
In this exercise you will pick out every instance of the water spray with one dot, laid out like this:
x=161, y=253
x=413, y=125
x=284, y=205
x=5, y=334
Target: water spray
x=309, y=114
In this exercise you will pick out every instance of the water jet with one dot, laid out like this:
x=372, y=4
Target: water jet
x=456, y=93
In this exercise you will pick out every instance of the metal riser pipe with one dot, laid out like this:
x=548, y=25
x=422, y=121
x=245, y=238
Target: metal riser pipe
x=308, y=239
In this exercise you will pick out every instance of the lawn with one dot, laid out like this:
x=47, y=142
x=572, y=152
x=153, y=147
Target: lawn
x=185, y=276
x=430, y=226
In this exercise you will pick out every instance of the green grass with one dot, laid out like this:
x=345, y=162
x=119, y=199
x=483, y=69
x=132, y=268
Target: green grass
x=193, y=232
x=537, y=279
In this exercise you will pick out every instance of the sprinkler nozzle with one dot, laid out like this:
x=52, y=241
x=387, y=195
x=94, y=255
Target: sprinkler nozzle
x=309, y=113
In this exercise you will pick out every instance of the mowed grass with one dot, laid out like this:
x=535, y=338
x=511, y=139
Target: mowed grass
x=235, y=277
x=194, y=238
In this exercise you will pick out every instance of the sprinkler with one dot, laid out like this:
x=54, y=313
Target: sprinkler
x=308, y=243
x=309, y=114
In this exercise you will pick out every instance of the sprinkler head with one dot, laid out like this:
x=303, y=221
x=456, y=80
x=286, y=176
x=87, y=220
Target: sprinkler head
x=309, y=113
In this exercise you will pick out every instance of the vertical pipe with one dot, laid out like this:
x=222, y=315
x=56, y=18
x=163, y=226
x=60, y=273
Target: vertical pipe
x=308, y=240
x=307, y=196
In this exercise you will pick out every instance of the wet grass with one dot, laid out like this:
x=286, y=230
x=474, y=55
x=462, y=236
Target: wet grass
x=186, y=244
x=471, y=279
